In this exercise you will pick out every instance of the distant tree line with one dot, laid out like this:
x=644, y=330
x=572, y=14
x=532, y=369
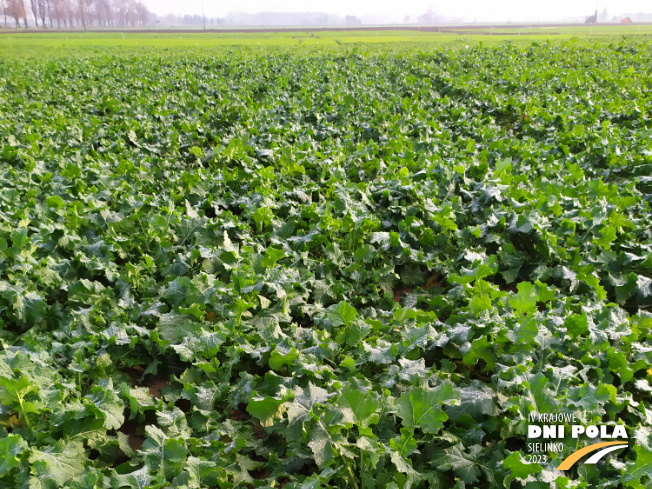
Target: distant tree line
x=75, y=13
x=353, y=20
x=196, y=20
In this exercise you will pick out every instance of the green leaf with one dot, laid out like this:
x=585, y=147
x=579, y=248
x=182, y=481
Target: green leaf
x=638, y=473
x=406, y=445
x=303, y=407
x=272, y=255
x=546, y=294
x=55, y=202
x=421, y=408
x=263, y=217
x=139, y=479
x=14, y=393
x=362, y=404
x=266, y=409
x=282, y=356
x=481, y=348
x=321, y=445
x=588, y=397
x=594, y=282
x=139, y=398
x=525, y=301
x=10, y=449
x=166, y=455
x=90, y=430
x=104, y=401
x=444, y=219
x=197, y=474
x=480, y=304
x=56, y=465
x=625, y=287
x=404, y=466
x=239, y=469
x=538, y=392
x=463, y=462
x=30, y=308
x=476, y=400
x=519, y=468
x=341, y=314
x=577, y=325
x=618, y=363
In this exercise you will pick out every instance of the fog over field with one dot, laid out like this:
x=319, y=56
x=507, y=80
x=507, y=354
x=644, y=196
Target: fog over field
x=409, y=11
x=76, y=14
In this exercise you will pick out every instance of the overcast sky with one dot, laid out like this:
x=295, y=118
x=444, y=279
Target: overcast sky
x=489, y=10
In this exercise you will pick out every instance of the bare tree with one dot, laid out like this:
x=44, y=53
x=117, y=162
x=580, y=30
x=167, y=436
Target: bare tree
x=4, y=11
x=109, y=11
x=86, y=13
x=142, y=14
x=90, y=11
x=103, y=12
x=42, y=10
x=82, y=13
x=57, y=13
x=72, y=12
x=66, y=12
x=16, y=9
x=34, y=5
x=48, y=3
x=22, y=4
x=120, y=9
x=100, y=12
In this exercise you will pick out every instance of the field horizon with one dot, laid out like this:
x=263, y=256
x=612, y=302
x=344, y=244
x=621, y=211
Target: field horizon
x=33, y=42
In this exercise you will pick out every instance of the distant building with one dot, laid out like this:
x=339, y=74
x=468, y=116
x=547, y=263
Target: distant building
x=626, y=20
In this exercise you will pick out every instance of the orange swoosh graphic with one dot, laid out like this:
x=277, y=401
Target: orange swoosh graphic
x=574, y=457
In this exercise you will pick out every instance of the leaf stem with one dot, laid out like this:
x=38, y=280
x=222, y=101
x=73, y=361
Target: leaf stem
x=22, y=410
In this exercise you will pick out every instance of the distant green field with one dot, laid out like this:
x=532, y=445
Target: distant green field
x=62, y=43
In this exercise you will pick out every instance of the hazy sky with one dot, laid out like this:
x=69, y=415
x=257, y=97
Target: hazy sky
x=490, y=10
